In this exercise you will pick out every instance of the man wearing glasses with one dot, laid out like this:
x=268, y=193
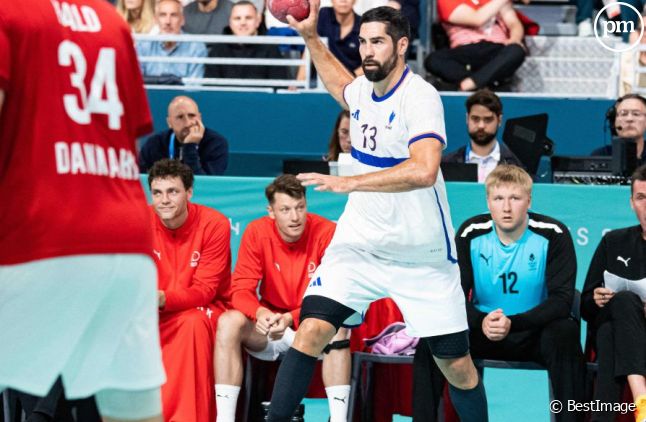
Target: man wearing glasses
x=627, y=119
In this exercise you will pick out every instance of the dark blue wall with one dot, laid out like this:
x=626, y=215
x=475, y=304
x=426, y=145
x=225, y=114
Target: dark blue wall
x=263, y=128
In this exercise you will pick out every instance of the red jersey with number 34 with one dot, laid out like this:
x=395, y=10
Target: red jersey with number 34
x=74, y=105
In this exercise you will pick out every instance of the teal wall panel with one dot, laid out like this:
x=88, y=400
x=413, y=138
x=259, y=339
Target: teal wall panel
x=588, y=211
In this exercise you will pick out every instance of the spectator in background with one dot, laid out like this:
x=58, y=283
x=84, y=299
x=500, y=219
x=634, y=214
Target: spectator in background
x=245, y=21
x=484, y=117
x=140, y=14
x=204, y=150
x=616, y=320
x=281, y=252
x=169, y=16
x=207, y=16
x=340, y=24
x=486, y=43
x=584, y=17
x=518, y=271
x=193, y=256
x=627, y=82
x=410, y=9
x=627, y=119
x=340, y=139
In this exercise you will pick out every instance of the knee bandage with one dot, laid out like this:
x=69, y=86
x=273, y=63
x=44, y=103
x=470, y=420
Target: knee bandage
x=336, y=345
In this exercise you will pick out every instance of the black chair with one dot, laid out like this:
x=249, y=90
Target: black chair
x=361, y=359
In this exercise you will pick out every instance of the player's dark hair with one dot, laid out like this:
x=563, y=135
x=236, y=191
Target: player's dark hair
x=397, y=25
x=638, y=176
x=287, y=184
x=167, y=168
x=485, y=98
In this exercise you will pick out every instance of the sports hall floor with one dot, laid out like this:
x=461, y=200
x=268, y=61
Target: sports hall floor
x=513, y=396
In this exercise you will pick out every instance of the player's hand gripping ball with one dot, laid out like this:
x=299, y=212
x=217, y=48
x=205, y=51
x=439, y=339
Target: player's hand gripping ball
x=299, y=9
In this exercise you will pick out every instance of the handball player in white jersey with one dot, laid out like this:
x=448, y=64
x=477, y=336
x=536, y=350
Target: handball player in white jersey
x=78, y=288
x=395, y=237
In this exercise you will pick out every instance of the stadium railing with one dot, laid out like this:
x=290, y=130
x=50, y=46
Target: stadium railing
x=236, y=84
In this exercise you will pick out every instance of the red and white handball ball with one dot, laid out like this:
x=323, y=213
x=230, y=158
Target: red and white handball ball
x=299, y=9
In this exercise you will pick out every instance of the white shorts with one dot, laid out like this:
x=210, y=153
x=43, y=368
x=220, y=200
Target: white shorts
x=429, y=296
x=92, y=319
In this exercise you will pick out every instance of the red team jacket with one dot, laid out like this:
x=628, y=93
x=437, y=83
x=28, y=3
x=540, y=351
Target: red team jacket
x=193, y=261
x=283, y=269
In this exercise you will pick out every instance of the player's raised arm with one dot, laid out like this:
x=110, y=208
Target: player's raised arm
x=333, y=74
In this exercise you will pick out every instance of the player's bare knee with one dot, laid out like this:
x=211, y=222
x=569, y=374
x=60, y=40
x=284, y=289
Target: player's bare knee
x=313, y=335
x=341, y=334
x=460, y=372
x=230, y=328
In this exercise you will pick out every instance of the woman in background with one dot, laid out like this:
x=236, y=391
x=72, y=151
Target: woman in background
x=139, y=14
x=340, y=139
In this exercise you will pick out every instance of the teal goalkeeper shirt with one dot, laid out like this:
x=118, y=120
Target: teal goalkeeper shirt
x=531, y=280
x=510, y=277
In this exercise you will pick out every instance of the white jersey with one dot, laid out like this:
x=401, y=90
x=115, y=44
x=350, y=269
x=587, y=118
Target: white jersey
x=412, y=226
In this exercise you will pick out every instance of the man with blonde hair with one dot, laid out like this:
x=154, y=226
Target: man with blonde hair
x=518, y=271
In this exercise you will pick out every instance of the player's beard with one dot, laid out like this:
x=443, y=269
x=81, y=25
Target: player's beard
x=379, y=73
x=482, y=138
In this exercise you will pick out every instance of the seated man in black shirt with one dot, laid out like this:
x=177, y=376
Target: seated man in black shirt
x=616, y=319
x=204, y=150
x=484, y=117
x=627, y=120
x=340, y=25
x=245, y=21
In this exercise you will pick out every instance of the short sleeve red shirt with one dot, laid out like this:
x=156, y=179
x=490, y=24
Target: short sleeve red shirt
x=74, y=105
x=494, y=30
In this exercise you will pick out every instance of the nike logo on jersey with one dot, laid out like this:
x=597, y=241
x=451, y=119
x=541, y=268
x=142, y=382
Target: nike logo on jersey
x=624, y=260
x=486, y=260
x=156, y=252
x=342, y=400
x=226, y=396
x=355, y=115
x=277, y=266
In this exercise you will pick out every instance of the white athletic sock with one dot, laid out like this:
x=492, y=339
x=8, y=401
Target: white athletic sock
x=226, y=400
x=338, y=397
